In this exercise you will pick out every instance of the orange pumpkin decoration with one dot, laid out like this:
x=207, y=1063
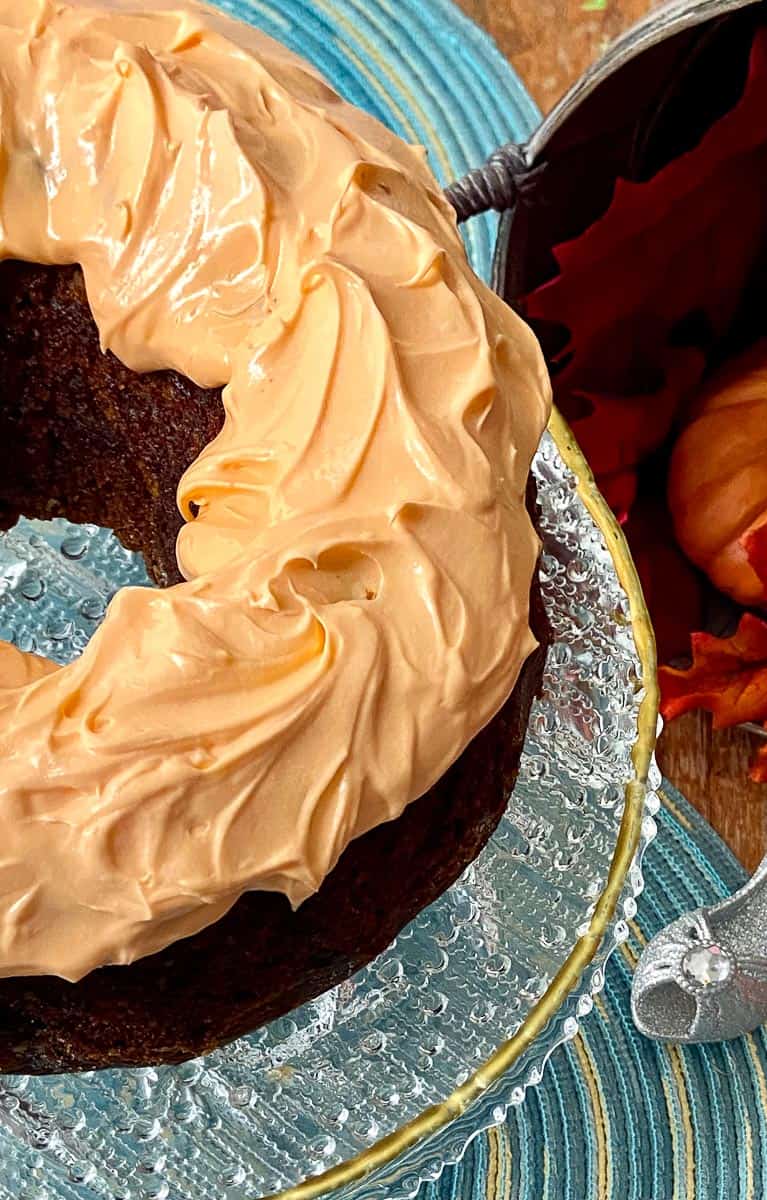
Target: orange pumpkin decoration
x=718, y=478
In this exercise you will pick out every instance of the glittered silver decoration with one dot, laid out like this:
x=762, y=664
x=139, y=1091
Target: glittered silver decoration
x=327, y=1082
x=704, y=977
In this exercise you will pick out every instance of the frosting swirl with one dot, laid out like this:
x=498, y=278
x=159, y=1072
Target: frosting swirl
x=357, y=548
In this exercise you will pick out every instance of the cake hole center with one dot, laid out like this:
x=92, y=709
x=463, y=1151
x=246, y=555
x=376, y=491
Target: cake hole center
x=56, y=580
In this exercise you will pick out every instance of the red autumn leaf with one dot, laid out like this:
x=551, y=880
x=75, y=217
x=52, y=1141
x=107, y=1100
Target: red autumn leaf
x=614, y=458
x=675, y=247
x=755, y=545
x=664, y=572
x=619, y=489
x=728, y=676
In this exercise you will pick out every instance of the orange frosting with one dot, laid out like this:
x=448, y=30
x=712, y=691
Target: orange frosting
x=357, y=548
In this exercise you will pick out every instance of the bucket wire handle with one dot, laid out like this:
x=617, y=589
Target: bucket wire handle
x=498, y=185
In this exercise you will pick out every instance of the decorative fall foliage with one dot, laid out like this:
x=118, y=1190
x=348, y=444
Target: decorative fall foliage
x=728, y=677
x=670, y=253
x=718, y=497
x=665, y=572
x=645, y=295
x=718, y=480
x=755, y=542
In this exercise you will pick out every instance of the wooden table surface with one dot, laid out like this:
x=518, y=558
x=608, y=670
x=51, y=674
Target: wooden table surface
x=550, y=43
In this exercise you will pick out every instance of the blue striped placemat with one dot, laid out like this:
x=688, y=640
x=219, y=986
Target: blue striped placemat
x=618, y=1117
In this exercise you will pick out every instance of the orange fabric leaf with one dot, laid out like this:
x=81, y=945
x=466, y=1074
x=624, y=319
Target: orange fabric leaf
x=728, y=676
x=758, y=770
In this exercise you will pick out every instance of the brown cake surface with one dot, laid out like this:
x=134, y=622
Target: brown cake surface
x=83, y=436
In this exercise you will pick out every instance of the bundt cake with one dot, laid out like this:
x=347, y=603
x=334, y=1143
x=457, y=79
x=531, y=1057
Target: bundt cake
x=237, y=326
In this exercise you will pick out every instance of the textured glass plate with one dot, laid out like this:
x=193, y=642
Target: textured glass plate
x=323, y=1085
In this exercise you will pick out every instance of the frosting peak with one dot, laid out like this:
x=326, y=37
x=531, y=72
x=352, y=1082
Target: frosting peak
x=357, y=548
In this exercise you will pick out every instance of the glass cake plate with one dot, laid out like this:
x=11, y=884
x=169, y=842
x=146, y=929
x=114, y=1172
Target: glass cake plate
x=446, y=1029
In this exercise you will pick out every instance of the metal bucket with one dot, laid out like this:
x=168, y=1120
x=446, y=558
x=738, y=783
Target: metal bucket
x=647, y=100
